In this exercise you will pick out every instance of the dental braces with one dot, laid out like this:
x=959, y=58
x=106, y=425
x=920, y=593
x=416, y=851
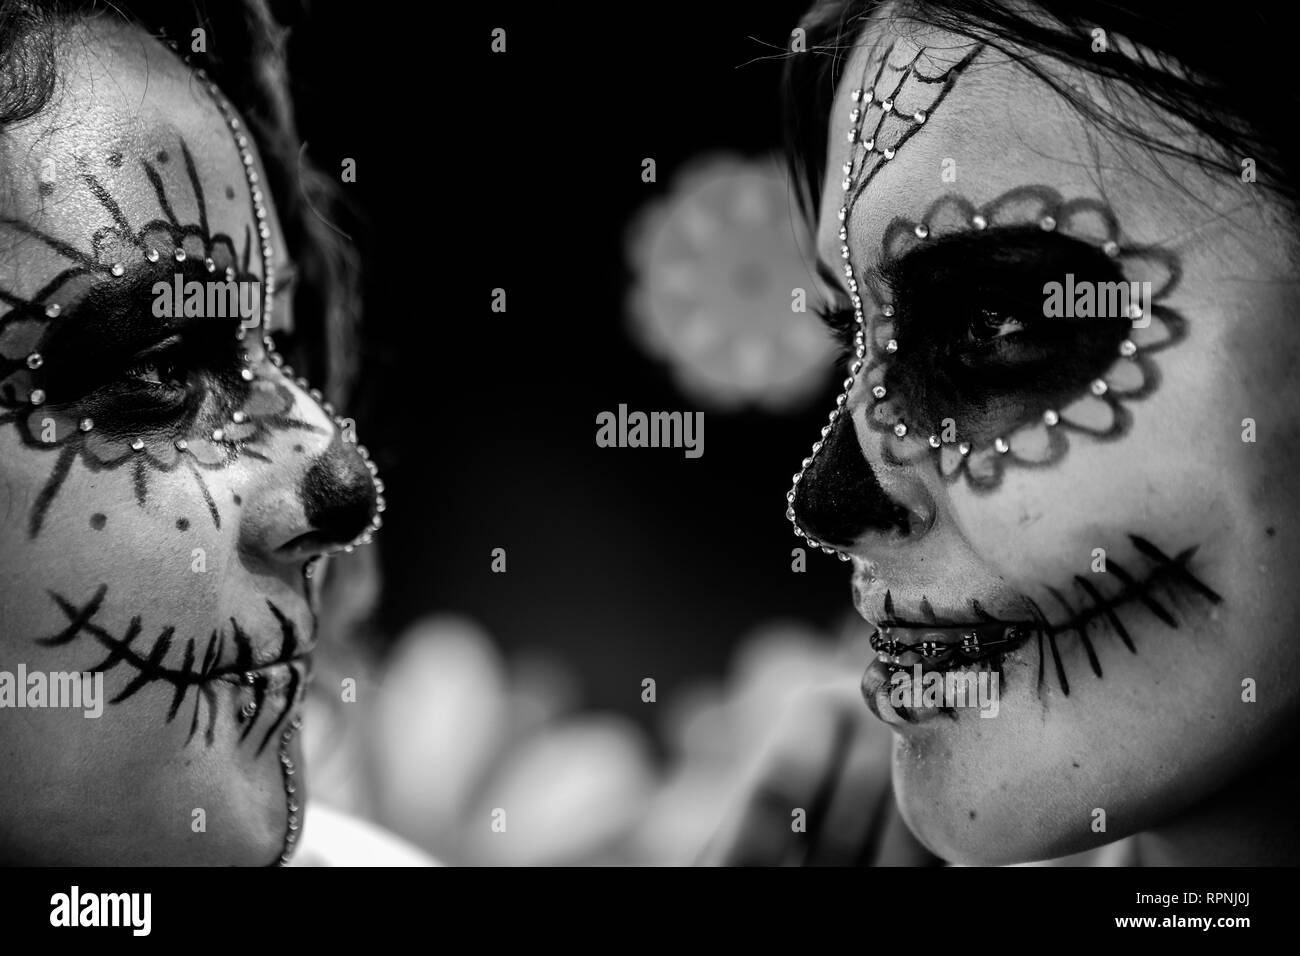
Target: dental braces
x=971, y=643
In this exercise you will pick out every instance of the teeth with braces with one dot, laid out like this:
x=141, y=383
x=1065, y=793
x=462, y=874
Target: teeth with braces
x=971, y=645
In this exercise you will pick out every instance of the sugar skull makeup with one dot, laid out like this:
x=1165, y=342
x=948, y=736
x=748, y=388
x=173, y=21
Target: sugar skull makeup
x=1036, y=466
x=171, y=483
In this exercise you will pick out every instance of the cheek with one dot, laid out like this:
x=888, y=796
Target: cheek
x=166, y=555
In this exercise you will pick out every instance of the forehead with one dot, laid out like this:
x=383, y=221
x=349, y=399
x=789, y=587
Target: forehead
x=990, y=126
x=131, y=136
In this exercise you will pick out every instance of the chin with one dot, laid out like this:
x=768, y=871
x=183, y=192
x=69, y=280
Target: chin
x=968, y=810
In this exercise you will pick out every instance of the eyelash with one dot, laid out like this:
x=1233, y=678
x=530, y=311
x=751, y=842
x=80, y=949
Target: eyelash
x=840, y=320
x=163, y=365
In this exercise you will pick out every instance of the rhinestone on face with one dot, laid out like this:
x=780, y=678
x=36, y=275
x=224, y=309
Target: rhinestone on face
x=891, y=346
x=1110, y=247
x=1127, y=348
x=1050, y=417
x=934, y=441
x=900, y=429
x=1000, y=445
x=151, y=255
x=964, y=448
x=887, y=310
x=182, y=444
x=37, y=397
x=978, y=221
x=86, y=424
x=921, y=230
x=53, y=309
x=35, y=361
x=137, y=444
x=118, y=269
x=1047, y=223
x=920, y=116
x=218, y=435
x=1098, y=387
x=878, y=391
x=179, y=254
x=887, y=105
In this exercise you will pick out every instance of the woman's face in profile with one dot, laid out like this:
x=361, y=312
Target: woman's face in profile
x=165, y=484
x=1089, y=501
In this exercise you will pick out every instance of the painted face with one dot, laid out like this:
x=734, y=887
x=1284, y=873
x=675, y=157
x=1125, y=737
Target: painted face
x=1061, y=464
x=167, y=485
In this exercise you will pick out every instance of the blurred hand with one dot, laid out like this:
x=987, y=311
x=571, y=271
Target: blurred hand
x=821, y=794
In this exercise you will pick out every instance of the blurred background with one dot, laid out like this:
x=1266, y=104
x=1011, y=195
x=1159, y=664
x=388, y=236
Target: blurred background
x=523, y=171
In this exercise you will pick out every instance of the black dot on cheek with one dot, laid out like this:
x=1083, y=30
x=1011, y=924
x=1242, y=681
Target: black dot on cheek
x=46, y=189
x=299, y=449
x=182, y=524
x=115, y=160
x=238, y=500
x=1270, y=531
x=162, y=156
x=97, y=521
x=972, y=814
x=230, y=192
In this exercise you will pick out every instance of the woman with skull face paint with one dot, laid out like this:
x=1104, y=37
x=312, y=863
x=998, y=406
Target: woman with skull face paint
x=1059, y=242
x=171, y=486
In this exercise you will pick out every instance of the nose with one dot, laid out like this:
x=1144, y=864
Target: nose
x=314, y=505
x=339, y=497
x=840, y=500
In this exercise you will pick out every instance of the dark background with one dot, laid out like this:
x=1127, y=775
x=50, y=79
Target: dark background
x=477, y=170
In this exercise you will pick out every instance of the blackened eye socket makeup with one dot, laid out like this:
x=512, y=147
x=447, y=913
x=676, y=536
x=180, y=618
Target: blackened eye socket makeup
x=972, y=338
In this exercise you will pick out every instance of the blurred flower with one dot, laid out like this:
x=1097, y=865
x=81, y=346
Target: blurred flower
x=717, y=733
x=716, y=267
x=446, y=734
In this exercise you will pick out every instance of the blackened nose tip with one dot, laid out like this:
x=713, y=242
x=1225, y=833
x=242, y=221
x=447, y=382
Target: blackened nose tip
x=838, y=499
x=339, y=494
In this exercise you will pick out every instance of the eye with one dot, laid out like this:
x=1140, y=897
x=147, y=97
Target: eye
x=976, y=341
x=992, y=325
x=162, y=370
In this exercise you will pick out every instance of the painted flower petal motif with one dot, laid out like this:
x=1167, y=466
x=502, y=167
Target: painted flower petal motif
x=1099, y=413
x=162, y=453
x=267, y=398
x=717, y=269
x=50, y=426
x=207, y=452
x=20, y=338
x=106, y=449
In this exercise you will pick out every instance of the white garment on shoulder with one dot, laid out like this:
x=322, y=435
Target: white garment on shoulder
x=333, y=838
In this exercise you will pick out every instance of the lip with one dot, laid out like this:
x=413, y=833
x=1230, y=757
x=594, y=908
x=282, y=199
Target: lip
x=943, y=641
x=262, y=658
x=939, y=638
x=875, y=691
x=274, y=678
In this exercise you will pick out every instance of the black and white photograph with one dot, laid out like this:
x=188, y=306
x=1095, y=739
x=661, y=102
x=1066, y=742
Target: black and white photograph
x=839, y=434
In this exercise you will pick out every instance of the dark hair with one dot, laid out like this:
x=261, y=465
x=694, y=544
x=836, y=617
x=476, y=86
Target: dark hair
x=1230, y=80
x=248, y=59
